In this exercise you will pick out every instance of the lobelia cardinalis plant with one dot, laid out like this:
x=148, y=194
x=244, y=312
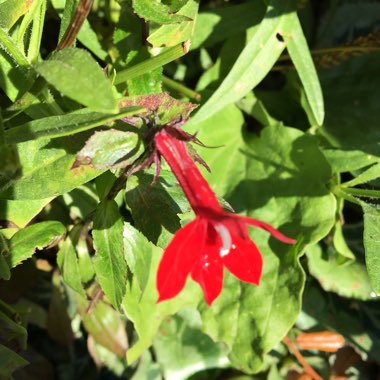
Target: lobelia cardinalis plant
x=213, y=240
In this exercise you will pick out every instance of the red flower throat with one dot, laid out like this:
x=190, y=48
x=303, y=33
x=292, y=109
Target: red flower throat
x=214, y=239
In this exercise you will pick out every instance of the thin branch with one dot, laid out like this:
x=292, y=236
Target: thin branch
x=308, y=369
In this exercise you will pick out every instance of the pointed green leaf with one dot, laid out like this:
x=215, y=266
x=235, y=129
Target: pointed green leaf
x=349, y=280
x=154, y=10
x=36, y=31
x=12, y=10
x=255, y=61
x=303, y=62
x=138, y=254
x=76, y=74
x=171, y=35
x=36, y=236
x=9, y=362
x=368, y=175
x=110, y=265
x=16, y=74
x=352, y=114
x=47, y=168
x=110, y=149
x=372, y=244
x=64, y=125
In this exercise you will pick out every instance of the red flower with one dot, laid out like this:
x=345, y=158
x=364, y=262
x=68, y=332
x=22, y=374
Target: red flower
x=215, y=238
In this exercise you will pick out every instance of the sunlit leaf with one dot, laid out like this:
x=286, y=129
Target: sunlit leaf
x=110, y=265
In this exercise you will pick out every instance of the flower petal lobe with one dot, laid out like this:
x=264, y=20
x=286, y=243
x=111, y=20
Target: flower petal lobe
x=179, y=258
x=244, y=261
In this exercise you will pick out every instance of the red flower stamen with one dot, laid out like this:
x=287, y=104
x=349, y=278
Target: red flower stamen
x=215, y=239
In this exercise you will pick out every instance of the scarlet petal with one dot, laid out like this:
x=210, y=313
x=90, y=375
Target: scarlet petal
x=267, y=227
x=244, y=261
x=179, y=259
x=208, y=273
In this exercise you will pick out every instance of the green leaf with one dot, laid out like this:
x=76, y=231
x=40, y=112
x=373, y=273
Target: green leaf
x=146, y=202
x=68, y=263
x=67, y=14
x=140, y=305
x=254, y=62
x=12, y=10
x=36, y=236
x=303, y=62
x=36, y=32
x=105, y=326
x=350, y=280
x=9, y=362
x=351, y=123
x=64, y=125
x=13, y=333
x=368, y=175
x=371, y=244
x=138, y=254
x=47, y=168
x=254, y=107
x=88, y=37
x=171, y=35
x=341, y=245
x=76, y=74
x=86, y=267
x=153, y=10
x=348, y=160
x=15, y=73
x=183, y=350
x=81, y=202
x=110, y=265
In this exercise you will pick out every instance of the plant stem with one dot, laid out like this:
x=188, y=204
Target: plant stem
x=362, y=192
x=153, y=63
x=120, y=182
x=76, y=23
x=179, y=87
x=341, y=193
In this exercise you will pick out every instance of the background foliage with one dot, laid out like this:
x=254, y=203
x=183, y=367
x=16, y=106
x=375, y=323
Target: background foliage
x=288, y=99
